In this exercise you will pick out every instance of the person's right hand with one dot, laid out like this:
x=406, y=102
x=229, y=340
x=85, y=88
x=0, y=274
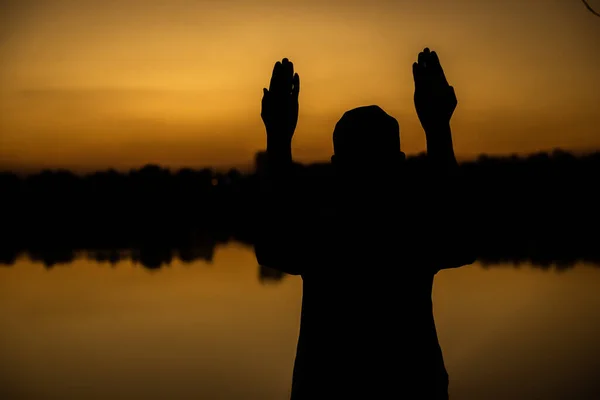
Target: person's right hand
x=435, y=99
x=280, y=104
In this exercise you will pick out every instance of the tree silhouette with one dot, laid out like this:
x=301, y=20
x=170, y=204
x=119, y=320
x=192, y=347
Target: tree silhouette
x=587, y=5
x=540, y=209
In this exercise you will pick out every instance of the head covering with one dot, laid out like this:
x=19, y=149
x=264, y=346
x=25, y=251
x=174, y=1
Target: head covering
x=366, y=133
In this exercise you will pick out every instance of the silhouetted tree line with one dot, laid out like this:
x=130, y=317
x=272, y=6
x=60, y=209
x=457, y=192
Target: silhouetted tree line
x=542, y=209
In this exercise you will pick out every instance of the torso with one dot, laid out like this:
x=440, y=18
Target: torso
x=367, y=327
x=365, y=330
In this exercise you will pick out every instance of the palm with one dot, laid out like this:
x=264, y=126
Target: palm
x=280, y=103
x=435, y=99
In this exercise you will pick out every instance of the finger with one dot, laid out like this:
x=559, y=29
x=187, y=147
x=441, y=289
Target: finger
x=417, y=74
x=426, y=57
x=276, y=67
x=296, y=87
x=275, y=78
x=287, y=75
x=437, y=66
x=265, y=96
x=421, y=59
x=424, y=68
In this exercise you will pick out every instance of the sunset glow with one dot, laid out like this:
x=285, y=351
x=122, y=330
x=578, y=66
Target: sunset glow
x=89, y=84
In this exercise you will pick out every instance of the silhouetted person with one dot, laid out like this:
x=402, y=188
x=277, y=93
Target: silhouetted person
x=368, y=254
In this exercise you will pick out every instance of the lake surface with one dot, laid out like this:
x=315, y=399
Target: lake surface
x=89, y=330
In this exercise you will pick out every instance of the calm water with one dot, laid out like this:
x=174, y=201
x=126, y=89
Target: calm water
x=216, y=331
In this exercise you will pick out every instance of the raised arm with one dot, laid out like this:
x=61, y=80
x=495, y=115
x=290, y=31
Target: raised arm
x=277, y=240
x=279, y=113
x=446, y=205
x=435, y=102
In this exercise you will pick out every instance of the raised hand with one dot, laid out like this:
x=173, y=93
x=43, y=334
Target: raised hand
x=435, y=99
x=280, y=105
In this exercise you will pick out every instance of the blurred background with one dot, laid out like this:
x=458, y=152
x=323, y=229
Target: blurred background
x=141, y=281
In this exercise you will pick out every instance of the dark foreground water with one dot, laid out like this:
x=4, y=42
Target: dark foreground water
x=220, y=331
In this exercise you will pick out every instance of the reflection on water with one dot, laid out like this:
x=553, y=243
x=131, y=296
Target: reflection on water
x=220, y=331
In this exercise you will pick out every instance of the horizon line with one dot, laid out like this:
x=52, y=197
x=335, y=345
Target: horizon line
x=249, y=165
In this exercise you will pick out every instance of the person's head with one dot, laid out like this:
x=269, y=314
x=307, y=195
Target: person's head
x=366, y=145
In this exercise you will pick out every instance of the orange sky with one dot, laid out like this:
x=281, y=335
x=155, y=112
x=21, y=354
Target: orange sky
x=88, y=84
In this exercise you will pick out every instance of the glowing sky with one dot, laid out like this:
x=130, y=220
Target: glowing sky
x=89, y=84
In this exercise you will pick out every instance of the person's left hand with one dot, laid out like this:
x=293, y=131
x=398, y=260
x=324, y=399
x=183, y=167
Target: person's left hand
x=280, y=104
